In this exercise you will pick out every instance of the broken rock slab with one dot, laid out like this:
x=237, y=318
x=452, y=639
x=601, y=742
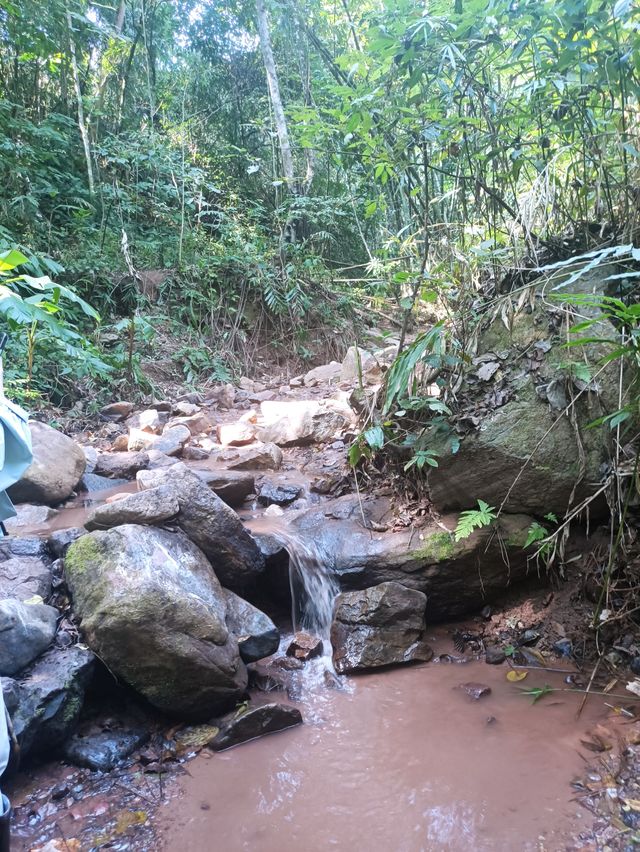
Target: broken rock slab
x=255, y=722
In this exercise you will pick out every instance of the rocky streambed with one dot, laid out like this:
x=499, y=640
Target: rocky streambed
x=156, y=622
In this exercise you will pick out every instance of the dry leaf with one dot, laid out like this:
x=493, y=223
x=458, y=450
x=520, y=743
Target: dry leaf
x=513, y=676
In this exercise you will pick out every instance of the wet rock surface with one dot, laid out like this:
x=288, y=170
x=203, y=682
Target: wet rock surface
x=153, y=610
x=255, y=722
x=104, y=750
x=57, y=467
x=26, y=630
x=474, y=690
x=153, y=506
x=379, y=626
x=231, y=486
x=305, y=647
x=256, y=634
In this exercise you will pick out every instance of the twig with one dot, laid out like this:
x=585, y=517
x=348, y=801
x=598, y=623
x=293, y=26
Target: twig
x=586, y=694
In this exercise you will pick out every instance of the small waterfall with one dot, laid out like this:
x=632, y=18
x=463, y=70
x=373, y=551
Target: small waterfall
x=313, y=583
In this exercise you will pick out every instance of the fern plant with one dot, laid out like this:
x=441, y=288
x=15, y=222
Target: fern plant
x=472, y=519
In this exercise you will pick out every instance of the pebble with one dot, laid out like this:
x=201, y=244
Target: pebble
x=475, y=690
x=494, y=655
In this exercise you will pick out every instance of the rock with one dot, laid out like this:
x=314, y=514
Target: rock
x=457, y=577
x=236, y=434
x=57, y=467
x=139, y=440
x=30, y=516
x=303, y=422
x=257, y=635
x=494, y=655
x=59, y=541
x=231, y=486
x=92, y=482
x=262, y=396
x=359, y=362
x=120, y=445
x=100, y=752
x=159, y=460
x=121, y=465
x=476, y=691
x=564, y=648
x=193, y=453
x=258, y=457
x=255, y=722
x=272, y=492
x=634, y=665
x=29, y=545
x=172, y=440
x=48, y=697
x=186, y=409
x=26, y=630
x=324, y=375
x=91, y=457
x=212, y=525
x=378, y=627
x=151, y=420
x=305, y=647
x=23, y=577
x=153, y=506
x=117, y=411
x=197, y=424
x=153, y=610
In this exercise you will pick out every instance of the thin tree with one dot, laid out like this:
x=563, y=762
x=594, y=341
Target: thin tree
x=84, y=133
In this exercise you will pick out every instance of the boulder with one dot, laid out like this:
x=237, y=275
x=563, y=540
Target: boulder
x=212, y=525
x=57, y=467
x=184, y=408
x=457, y=577
x=153, y=610
x=22, y=577
x=139, y=440
x=116, y=411
x=326, y=374
x=520, y=446
x=121, y=465
x=102, y=751
x=231, y=486
x=193, y=453
x=196, y=423
x=154, y=506
x=93, y=482
x=281, y=494
x=172, y=440
x=255, y=722
x=236, y=434
x=257, y=635
x=258, y=457
x=60, y=540
x=30, y=516
x=45, y=702
x=379, y=626
x=303, y=422
x=26, y=630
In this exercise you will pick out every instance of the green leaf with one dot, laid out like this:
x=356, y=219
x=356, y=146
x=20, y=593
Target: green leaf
x=473, y=519
x=10, y=259
x=374, y=436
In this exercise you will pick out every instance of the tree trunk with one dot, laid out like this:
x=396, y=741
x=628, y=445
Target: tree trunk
x=274, y=94
x=81, y=122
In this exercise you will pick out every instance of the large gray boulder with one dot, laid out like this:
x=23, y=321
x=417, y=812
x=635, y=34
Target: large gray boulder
x=303, y=422
x=26, y=630
x=154, y=506
x=379, y=626
x=45, y=701
x=22, y=577
x=256, y=634
x=212, y=525
x=457, y=577
x=57, y=467
x=520, y=445
x=153, y=610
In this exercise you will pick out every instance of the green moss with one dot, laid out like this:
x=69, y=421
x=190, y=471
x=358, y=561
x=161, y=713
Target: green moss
x=437, y=548
x=83, y=552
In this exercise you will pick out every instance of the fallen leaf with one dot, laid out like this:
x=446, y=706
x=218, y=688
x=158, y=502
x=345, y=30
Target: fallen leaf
x=127, y=819
x=513, y=676
x=634, y=804
x=35, y=599
x=634, y=686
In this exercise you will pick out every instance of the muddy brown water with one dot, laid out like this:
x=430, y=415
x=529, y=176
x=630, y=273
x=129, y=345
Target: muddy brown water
x=403, y=761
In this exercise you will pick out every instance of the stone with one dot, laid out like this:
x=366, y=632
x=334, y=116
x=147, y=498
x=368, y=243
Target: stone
x=22, y=577
x=139, y=440
x=255, y=722
x=102, y=751
x=262, y=396
x=305, y=647
x=26, y=630
x=564, y=647
x=235, y=434
x=359, y=362
x=197, y=424
x=379, y=626
x=153, y=610
x=91, y=457
x=46, y=700
x=151, y=420
x=193, y=453
x=57, y=467
x=212, y=525
x=121, y=444
x=60, y=540
x=153, y=506
x=186, y=409
x=172, y=440
x=230, y=485
x=326, y=374
x=121, y=465
x=116, y=411
x=474, y=690
x=280, y=494
x=93, y=482
x=159, y=460
x=258, y=457
x=494, y=655
x=257, y=635
x=302, y=422
x=458, y=577
x=30, y=516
